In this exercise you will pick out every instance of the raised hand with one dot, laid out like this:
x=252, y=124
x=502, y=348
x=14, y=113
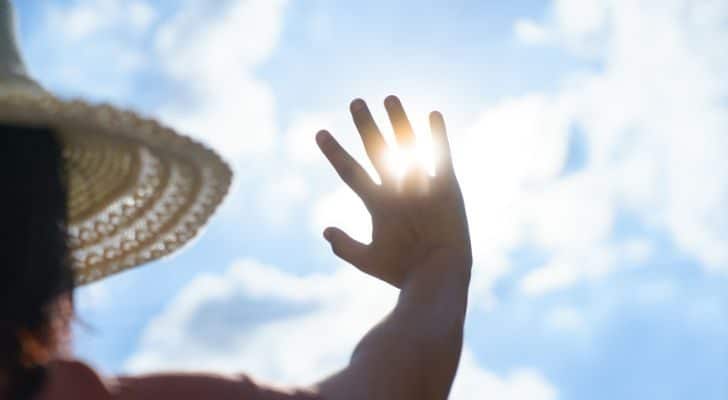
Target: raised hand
x=418, y=220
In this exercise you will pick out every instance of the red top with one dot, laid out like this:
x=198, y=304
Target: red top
x=75, y=380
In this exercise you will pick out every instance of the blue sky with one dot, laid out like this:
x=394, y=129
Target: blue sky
x=589, y=140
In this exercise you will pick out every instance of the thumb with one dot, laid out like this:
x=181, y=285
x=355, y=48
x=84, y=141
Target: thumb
x=346, y=248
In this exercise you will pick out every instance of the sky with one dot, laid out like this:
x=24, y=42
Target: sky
x=589, y=138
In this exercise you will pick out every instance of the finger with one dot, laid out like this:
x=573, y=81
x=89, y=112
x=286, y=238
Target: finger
x=348, y=169
x=402, y=127
x=346, y=248
x=374, y=143
x=443, y=165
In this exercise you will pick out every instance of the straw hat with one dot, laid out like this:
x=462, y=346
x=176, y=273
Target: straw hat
x=137, y=190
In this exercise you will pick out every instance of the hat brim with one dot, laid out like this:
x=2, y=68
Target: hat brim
x=138, y=191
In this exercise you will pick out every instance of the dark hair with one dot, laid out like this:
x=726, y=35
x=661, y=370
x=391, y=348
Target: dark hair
x=36, y=268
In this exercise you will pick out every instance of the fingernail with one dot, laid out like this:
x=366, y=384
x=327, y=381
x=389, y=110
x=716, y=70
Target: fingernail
x=357, y=104
x=323, y=137
x=327, y=234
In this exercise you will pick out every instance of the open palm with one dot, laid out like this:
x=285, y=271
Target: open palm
x=416, y=218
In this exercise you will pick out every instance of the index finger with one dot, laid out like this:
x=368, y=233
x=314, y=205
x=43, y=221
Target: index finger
x=346, y=166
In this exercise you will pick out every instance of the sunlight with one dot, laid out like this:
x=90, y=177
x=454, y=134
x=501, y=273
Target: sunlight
x=401, y=160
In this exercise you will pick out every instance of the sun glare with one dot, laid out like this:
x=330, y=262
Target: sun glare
x=400, y=161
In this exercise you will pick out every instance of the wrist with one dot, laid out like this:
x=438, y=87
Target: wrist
x=437, y=290
x=440, y=271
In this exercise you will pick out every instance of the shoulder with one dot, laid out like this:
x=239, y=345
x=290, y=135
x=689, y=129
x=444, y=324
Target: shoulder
x=73, y=379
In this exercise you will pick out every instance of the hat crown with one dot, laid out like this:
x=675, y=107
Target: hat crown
x=13, y=74
x=12, y=62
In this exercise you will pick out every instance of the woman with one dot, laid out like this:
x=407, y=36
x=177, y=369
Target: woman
x=91, y=191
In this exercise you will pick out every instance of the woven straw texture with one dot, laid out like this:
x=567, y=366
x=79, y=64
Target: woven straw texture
x=137, y=190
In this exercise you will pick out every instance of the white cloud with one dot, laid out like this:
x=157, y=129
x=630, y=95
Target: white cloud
x=637, y=250
x=579, y=25
x=342, y=209
x=549, y=277
x=235, y=115
x=280, y=197
x=509, y=162
x=659, y=100
x=141, y=14
x=84, y=18
x=566, y=320
x=580, y=17
x=80, y=22
x=291, y=330
x=64, y=52
x=277, y=326
x=300, y=146
x=530, y=32
x=207, y=44
x=213, y=56
x=475, y=383
x=654, y=122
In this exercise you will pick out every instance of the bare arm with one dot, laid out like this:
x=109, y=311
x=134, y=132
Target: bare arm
x=412, y=354
x=421, y=245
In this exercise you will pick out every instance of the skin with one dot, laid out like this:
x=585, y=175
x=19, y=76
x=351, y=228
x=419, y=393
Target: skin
x=421, y=245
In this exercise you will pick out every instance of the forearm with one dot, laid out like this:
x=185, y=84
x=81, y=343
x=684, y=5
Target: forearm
x=413, y=353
